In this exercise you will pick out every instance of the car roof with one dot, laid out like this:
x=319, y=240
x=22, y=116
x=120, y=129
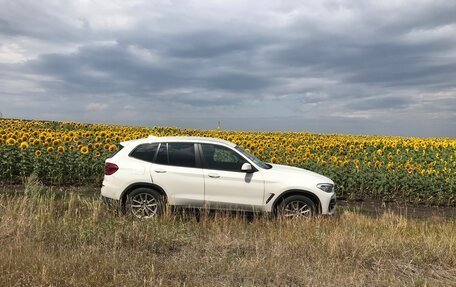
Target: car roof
x=152, y=139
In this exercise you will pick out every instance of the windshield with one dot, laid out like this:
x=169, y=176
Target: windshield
x=253, y=158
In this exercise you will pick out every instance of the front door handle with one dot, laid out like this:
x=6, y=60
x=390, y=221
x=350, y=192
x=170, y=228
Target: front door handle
x=213, y=175
x=160, y=171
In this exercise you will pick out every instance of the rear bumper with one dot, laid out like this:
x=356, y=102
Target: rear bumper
x=110, y=191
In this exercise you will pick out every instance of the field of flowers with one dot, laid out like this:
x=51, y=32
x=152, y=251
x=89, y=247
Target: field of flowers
x=388, y=168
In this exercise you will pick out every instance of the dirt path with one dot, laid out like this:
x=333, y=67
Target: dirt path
x=371, y=208
x=375, y=208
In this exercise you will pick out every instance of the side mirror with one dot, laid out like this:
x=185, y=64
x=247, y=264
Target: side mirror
x=247, y=167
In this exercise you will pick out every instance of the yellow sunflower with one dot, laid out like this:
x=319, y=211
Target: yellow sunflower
x=24, y=145
x=50, y=149
x=11, y=141
x=61, y=149
x=38, y=152
x=84, y=150
x=112, y=148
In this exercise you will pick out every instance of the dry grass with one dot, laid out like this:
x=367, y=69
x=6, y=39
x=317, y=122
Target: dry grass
x=75, y=241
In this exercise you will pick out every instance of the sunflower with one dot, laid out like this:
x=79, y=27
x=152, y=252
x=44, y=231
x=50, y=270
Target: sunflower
x=84, y=150
x=112, y=148
x=38, y=152
x=50, y=149
x=24, y=145
x=61, y=149
x=97, y=153
x=11, y=141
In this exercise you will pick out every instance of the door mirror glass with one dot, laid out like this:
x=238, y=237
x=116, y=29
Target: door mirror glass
x=247, y=167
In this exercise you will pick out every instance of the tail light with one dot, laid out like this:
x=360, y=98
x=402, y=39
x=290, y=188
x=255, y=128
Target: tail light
x=110, y=168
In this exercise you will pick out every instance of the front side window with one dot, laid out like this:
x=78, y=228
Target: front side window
x=145, y=152
x=222, y=158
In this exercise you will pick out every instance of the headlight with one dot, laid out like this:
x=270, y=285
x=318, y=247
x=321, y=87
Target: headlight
x=327, y=187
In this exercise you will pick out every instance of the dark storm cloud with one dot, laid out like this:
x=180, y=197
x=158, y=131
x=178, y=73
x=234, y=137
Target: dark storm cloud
x=388, y=64
x=107, y=69
x=209, y=44
x=379, y=103
x=315, y=66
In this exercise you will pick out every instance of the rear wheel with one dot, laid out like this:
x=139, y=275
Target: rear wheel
x=297, y=207
x=145, y=203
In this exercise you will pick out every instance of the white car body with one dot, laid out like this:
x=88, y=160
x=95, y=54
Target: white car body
x=197, y=187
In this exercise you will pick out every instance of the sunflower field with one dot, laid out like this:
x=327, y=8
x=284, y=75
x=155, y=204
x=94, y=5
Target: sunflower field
x=416, y=170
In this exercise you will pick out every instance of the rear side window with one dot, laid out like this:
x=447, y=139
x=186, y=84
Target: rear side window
x=181, y=154
x=162, y=155
x=177, y=154
x=145, y=152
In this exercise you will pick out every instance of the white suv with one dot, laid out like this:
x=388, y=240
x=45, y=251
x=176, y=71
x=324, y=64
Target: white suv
x=197, y=172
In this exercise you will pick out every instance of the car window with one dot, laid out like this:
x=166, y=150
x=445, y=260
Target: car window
x=145, y=152
x=222, y=158
x=181, y=154
x=177, y=154
x=162, y=155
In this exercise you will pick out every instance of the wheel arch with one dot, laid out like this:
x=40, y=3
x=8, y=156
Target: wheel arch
x=291, y=192
x=136, y=185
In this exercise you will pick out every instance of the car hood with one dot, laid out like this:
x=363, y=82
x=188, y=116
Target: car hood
x=298, y=172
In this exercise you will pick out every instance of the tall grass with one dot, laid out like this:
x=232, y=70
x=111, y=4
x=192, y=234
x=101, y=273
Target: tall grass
x=74, y=240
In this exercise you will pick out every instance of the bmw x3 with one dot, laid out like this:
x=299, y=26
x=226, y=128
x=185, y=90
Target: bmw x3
x=145, y=175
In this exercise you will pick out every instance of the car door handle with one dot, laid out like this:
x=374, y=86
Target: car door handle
x=160, y=171
x=213, y=175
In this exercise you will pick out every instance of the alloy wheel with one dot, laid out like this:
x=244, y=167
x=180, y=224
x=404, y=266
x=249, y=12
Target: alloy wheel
x=144, y=205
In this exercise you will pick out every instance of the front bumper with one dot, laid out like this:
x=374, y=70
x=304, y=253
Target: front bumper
x=332, y=204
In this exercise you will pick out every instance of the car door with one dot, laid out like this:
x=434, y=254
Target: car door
x=225, y=185
x=178, y=171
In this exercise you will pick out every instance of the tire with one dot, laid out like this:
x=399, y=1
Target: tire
x=145, y=203
x=296, y=207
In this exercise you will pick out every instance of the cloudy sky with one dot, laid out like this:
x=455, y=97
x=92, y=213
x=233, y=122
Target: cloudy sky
x=359, y=67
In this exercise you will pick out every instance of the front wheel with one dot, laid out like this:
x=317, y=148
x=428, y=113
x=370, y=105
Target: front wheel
x=297, y=207
x=145, y=203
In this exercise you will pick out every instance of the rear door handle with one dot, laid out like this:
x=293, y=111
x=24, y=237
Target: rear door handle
x=160, y=171
x=213, y=175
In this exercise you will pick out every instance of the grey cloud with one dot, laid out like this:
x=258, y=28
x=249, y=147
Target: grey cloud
x=330, y=62
x=379, y=103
